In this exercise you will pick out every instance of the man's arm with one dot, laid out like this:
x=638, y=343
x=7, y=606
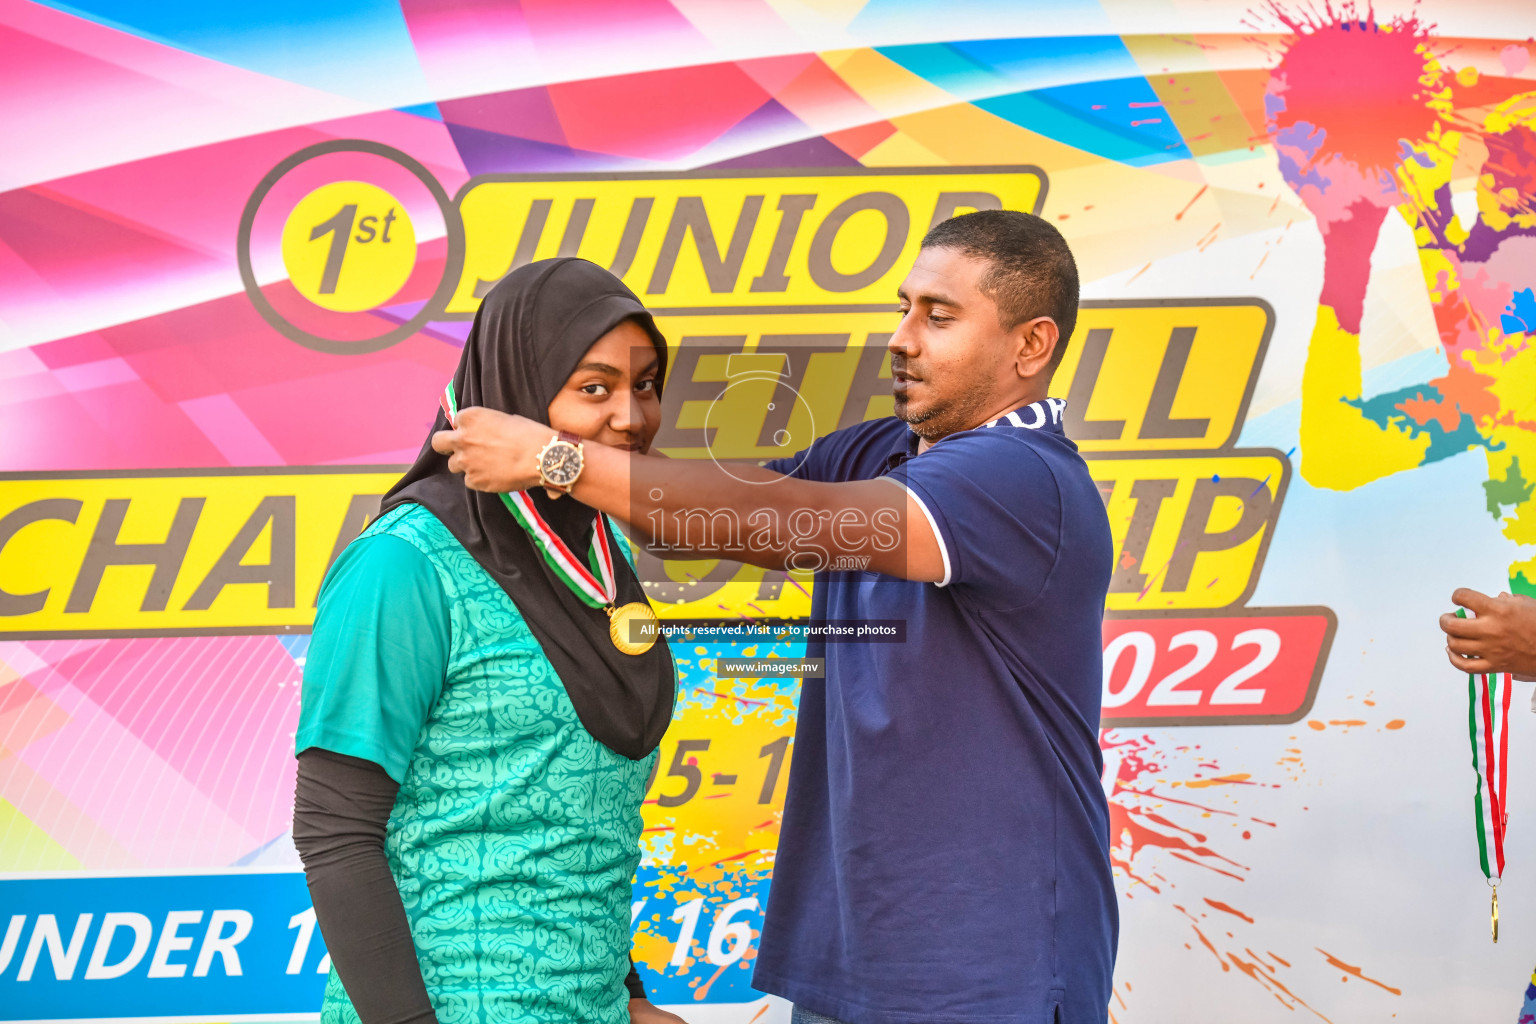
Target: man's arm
x=696, y=509
x=1502, y=637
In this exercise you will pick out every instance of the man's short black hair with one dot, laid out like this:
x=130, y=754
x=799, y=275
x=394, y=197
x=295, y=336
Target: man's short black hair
x=1032, y=270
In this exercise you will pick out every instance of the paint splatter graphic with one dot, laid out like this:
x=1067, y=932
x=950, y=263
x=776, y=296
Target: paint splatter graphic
x=1371, y=120
x=712, y=817
x=1179, y=820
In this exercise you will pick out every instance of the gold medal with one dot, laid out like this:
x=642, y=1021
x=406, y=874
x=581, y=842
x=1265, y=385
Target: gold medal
x=1495, y=913
x=622, y=621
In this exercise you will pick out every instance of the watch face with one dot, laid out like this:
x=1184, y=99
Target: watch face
x=561, y=464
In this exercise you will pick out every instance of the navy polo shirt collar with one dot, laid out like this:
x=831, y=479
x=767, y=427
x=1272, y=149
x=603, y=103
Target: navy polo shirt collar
x=1045, y=414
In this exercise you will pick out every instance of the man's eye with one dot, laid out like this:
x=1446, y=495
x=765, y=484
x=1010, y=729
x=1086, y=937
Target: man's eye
x=646, y=385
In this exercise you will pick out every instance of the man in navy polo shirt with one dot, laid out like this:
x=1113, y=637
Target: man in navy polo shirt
x=944, y=855
x=945, y=847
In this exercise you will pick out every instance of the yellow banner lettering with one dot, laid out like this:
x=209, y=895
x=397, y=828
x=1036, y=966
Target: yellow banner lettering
x=723, y=238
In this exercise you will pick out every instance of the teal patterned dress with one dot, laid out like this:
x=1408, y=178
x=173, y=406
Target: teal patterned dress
x=515, y=834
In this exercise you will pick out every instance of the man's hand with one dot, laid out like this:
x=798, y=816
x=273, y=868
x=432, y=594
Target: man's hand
x=642, y=1012
x=1502, y=637
x=495, y=452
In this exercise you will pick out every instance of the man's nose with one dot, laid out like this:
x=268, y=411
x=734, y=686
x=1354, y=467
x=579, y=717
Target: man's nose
x=903, y=340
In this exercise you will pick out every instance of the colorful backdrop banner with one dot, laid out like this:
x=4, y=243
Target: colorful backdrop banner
x=240, y=248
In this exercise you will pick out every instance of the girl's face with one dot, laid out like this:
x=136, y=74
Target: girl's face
x=611, y=397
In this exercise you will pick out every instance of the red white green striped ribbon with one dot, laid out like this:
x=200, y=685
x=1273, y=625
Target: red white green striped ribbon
x=1488, y=725
x=593, y=586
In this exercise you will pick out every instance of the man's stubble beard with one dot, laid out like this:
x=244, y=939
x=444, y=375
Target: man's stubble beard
x=943, y=418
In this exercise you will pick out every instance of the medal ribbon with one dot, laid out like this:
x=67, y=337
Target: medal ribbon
x=1488, y=720
x=594, y=586
x=1488, y=727
x=584, y=583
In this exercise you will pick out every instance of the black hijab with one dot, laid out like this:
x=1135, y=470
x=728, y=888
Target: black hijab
x=529, y=335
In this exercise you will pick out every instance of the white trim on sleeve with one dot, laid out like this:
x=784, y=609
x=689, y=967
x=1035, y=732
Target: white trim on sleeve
x=933, y=523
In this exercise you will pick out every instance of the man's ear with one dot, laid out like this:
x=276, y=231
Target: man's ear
x=1037, y=341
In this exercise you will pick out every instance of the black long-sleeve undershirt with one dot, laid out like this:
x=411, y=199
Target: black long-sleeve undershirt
x=341, y=807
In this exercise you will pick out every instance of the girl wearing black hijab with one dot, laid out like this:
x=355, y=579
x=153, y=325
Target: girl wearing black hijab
x=474, y=740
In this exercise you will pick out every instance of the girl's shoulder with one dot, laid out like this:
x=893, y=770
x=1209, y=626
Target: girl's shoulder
x=417, y=526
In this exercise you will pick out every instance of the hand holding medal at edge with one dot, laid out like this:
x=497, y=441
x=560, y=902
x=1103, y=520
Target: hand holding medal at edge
x=1488, y=699
x=558, y=466
x=1495, y=646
